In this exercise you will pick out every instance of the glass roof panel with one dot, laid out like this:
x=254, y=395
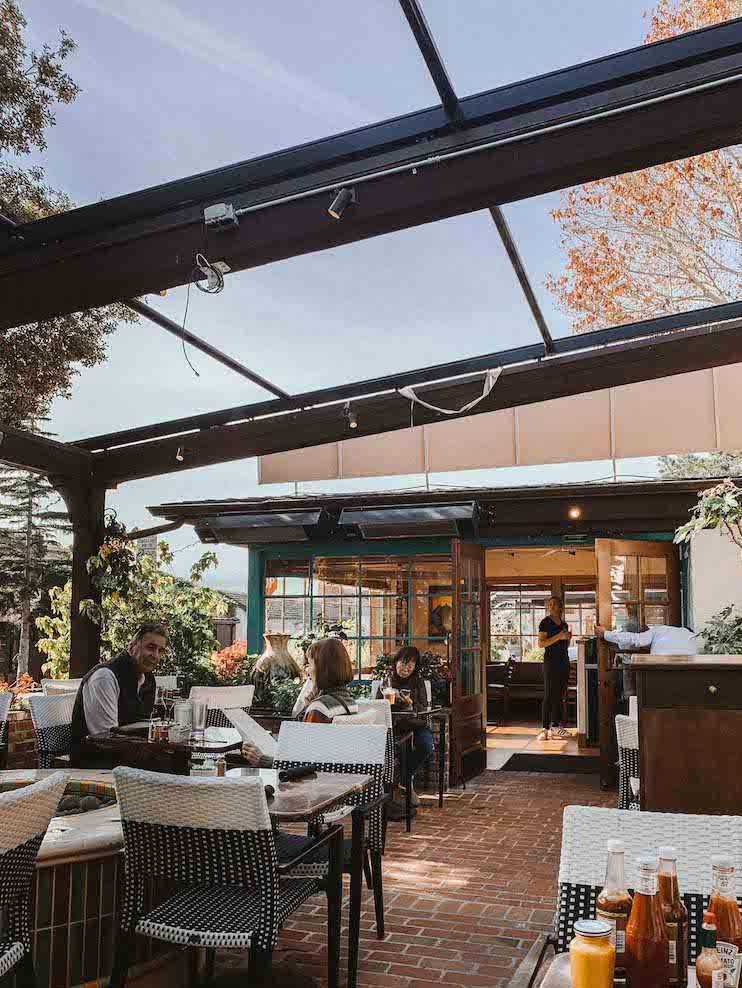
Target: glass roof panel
x=486, y=45
x=636, y=246
x=173, y=87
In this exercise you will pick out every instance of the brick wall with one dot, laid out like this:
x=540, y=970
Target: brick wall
x=21, y=740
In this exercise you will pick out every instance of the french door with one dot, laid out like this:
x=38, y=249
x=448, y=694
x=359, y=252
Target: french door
x=638, y=585
x=470, y=645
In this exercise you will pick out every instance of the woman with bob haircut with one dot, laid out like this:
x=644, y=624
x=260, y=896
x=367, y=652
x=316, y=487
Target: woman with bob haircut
x=330, y=672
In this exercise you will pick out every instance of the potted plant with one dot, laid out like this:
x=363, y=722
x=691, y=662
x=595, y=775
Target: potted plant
x=718, y=507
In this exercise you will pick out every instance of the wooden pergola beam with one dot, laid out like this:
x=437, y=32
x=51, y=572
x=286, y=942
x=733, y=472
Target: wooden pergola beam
x=39, y=454
x=553, y=377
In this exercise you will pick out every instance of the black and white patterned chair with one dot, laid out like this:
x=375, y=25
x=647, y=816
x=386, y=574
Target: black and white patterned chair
x=221, y=698
x=53, y=687
x=52, y=721
x=213, y=840
x=627, y=734
x=24, y=817
x=585, y=833
x=360, y=750
x=381, y=711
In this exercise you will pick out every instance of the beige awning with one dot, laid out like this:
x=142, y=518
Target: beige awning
x=687, y=413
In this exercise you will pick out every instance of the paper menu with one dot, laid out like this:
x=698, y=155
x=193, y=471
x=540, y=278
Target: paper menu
x=251, y=731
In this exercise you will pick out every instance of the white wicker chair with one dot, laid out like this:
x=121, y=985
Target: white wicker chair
x=221, y=698
x=53, y=687
x=213, y=839
x=627, y=733
x=361, y=751
x=6, y=699
x=382, y=712
x=24, y=817
x=166, y=682
x=585, y=833
x=52, y=721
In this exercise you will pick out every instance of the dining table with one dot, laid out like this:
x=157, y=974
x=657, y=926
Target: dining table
x=133, y=748
x=558, y=975
x=304, y=800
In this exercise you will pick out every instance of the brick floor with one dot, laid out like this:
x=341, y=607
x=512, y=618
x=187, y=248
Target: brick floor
x=466, y=893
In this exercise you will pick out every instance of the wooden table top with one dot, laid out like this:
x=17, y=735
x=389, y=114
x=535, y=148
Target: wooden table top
x=685, y=662
x=409, y=712
x=302, y=799
x=215, y=741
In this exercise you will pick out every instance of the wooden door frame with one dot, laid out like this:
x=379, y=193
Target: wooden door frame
x=479, y=553
x=604, y=549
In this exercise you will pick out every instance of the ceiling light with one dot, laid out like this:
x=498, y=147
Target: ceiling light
x=575, y=513
x=179, y=455
x=340, y=203
x=350, y=416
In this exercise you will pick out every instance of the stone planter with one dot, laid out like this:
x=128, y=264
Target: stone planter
x=277, y=662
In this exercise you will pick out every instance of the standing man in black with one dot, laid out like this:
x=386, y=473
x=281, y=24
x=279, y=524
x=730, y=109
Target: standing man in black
x=118, y=692
x=554, y=637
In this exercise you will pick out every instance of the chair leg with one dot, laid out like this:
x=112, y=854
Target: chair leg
x=334, y=910
x=354, y=910
x=378, y=893
x=367, y=871
x=209, y=965
x=261, y=965
x=441, y=760
x=25, y=976
x=123, y=951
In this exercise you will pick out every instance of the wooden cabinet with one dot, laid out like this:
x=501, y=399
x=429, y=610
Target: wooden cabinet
x=690, y=732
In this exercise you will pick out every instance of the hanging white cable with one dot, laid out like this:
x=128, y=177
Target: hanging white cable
x=490, y=380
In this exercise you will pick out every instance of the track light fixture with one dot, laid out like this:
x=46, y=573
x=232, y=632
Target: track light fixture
x=179, y=455
x=340, y=203
x=350, y=416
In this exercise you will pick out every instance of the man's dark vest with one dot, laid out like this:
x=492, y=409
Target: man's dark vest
x=133, y=704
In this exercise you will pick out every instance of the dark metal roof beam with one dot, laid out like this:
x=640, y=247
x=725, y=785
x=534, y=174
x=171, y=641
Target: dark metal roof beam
x=429, y=51
x=569, y=344
x=520, y=272
x=195, y=341
x=559, y=376
x=617, y=114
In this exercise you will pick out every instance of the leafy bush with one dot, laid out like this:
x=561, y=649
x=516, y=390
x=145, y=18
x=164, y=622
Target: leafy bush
x=282, y=695
x=723, y=633
x=233, y=665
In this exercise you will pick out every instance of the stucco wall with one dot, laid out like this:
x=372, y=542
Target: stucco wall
x=715, y=576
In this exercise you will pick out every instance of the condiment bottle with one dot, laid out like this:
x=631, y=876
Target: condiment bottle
x=676, y=918
x=724, y=906
x=646, y=935
x=221, y=766
x=592, y=955
x=710, y=971
x=614, y=902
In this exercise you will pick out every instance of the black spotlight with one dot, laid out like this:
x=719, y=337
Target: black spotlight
x=340, y=203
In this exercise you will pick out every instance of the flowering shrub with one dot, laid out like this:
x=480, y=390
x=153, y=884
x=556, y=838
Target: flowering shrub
x=26, y=684
x=233, y=665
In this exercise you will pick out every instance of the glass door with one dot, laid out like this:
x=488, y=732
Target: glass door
x=468, y=658
x=638, y=586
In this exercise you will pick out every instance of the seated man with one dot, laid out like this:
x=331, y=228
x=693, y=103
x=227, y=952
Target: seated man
x=660, y=639
x=118, y=692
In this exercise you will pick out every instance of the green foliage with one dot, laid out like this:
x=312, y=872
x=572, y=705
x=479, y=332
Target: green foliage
x=432, y=667
x=281, y=695
x=719, y=508
x=134, y=590
x=534, y=654
x=723, y=633
x=724, y=463
x=323, y=630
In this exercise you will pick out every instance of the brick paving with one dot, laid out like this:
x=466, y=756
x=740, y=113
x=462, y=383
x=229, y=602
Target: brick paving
x=466, y=893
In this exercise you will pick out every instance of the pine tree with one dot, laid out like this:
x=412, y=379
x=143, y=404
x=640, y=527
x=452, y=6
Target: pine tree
x=32, y=559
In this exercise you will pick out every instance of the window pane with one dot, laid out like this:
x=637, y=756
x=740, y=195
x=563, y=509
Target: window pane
x=337, y=610
x=290, y=616
x=503, y=647
x=624, y=578
x=335, y=577
x=287, y=576
x=626, y=617
x=654, y=580
x=387, y=575
x=471, y=671
x=432, y=575
x=384, y=617
x=371, y=649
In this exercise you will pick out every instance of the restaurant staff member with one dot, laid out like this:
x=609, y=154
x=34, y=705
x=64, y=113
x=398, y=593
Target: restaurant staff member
x=661, y=639
x=118, y=692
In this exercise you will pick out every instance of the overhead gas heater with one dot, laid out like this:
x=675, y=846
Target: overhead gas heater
x=403, y=521
x=268, y=526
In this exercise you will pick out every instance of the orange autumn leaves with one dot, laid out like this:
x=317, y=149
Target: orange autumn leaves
x=661, y=240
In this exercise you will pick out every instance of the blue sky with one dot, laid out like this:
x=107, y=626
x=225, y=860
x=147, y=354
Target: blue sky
x=173, y=87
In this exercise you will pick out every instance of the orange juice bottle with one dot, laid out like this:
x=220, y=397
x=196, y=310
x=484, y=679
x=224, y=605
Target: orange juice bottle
x=592, y=957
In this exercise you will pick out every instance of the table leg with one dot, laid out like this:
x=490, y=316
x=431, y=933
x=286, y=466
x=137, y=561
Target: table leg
x=406, y=753
x=356, y=877
x=441, y=758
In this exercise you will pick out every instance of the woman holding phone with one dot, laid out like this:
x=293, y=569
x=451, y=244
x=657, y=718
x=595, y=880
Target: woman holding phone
x=405, y=678
x=554, y=637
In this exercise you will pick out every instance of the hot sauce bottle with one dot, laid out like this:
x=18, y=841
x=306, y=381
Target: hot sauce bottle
x=646, y=936
x=710, y=971
x=676, y=918
x=614, y=902
x=724, y=906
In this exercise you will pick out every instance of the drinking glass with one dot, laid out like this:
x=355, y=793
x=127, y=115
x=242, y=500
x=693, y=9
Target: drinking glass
x=200, y=711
